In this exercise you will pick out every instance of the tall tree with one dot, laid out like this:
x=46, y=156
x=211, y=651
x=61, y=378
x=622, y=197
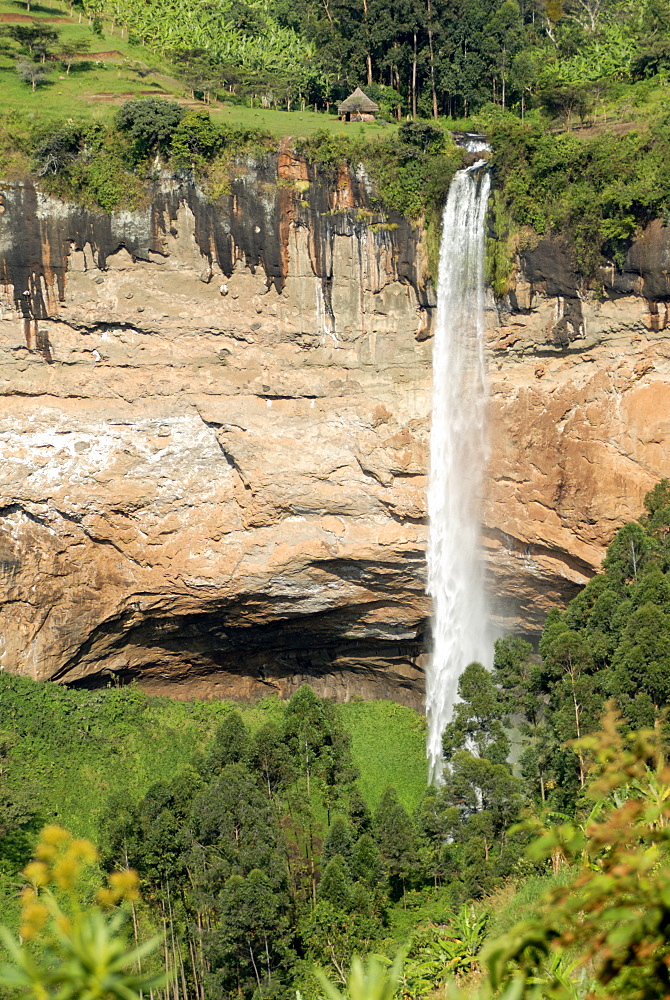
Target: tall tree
x=397, y=841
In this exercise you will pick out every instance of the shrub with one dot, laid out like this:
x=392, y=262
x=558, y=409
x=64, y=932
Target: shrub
x=150, y=122
x=58, y=148
x=196, y=137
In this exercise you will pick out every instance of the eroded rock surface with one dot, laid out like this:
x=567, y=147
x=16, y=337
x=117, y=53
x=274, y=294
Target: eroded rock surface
x=214, y=426
x=580, y=416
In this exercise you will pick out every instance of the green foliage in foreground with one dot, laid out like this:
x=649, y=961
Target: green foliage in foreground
x=602, y=931
x=69, y=948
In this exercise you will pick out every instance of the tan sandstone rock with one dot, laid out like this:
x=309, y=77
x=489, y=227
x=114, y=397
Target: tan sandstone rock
x=214, y=428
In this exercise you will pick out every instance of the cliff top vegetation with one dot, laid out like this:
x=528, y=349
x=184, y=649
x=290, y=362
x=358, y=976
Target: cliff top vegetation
x=573, y=93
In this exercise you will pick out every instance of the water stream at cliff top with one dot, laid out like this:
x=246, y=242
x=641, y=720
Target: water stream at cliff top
x=457, y=455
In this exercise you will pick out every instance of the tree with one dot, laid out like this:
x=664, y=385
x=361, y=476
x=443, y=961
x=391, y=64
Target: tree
x=58, y=149
x=270, y=756
x=31, y=73
x=155, y=835
x=338, y=841
x=627, y=554
x=150, y=122
x=359, y=812
x=317, y=741
x=517, y=675
x=230, y=744
x=657, y=520
x=366, y=862
x=576, y=698
x=34, y=39
x=504, y=36
x=397, y=842
x=641, y=665
x=68, y=49
x=336, y=886
x=477, y=718
x=249, y=947
x=466, y=821
x=610, y=917
x=332, y=937
x=235, y=830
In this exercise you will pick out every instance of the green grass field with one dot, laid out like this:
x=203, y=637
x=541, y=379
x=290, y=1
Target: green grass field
x=389, y=747
x=99, y=83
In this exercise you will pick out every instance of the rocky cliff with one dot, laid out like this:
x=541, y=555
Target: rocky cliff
x=580, y=417
x=214, y=427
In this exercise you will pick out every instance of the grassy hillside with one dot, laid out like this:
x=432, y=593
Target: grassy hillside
x=113, y=70
x=389, y=748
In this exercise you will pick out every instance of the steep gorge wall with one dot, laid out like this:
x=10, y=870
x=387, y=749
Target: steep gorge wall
x=213, y=436
x=580, y=415
x=213, y=433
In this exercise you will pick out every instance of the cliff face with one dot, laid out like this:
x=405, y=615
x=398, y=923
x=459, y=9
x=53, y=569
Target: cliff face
x=214, y=439
x=214, y=427
x=580, y=416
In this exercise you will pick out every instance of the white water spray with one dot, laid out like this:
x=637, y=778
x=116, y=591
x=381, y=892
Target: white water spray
x=457, y=455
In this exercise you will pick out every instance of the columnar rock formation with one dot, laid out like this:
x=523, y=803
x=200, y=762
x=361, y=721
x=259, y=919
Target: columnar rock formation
x=213, y=434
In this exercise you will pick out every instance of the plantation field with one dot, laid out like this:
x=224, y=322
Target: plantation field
x=105, y=76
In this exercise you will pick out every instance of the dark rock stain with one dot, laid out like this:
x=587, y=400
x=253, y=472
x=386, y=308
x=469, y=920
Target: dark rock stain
x=550, y=268
x=251, y=224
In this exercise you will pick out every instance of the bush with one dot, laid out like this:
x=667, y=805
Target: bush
x=150, y=122
x=422, y=135
x=196, y=137
x=597, y=192
x=59, y=147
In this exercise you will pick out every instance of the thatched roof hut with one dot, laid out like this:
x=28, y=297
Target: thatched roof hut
x=357, y=108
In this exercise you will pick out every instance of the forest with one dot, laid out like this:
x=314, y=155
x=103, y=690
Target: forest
x=265, y=862
x=421, y=57
x=424, y=58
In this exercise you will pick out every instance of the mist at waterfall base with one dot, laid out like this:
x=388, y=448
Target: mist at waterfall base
x=457, y=456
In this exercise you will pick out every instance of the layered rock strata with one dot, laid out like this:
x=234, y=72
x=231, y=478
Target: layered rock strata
x=580, y=418
x=213, y=433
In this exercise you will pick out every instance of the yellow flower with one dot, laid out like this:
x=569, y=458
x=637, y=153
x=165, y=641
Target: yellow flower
x=55, y=835
x=34, y=916
x=37, y=873
x=46, y=852
x=84, y=850
x=105, y=897
x=65, y=871
x=125, y=884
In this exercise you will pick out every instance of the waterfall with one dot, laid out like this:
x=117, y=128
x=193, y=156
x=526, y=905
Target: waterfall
x=457, y=455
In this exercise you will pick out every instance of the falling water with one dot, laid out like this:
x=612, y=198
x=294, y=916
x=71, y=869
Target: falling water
x=457, y=455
